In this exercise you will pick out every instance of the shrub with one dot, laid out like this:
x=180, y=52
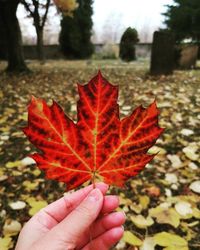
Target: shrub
x=127, y=45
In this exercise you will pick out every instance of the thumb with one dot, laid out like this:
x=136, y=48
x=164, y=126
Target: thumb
x=79, y=220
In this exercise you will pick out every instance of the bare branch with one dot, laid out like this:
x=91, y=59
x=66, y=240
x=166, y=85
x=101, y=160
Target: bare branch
x=35, y=2
x=46, y=12
x=27, y=7
x=39, y=21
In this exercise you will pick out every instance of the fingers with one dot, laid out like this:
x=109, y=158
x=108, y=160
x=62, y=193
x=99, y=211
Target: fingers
x=106, y=223
x=79, y=220
x=111, y=202
x=106, y=240
x=101, y=226
x=49, y=219
x=50, y=216
x=54, y=213
x=61, y=208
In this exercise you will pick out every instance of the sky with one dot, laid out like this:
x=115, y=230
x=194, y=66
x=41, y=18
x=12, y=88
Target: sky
x=110, y=19
x=144, y=15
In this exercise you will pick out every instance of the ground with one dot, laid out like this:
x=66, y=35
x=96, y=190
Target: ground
x=161, y=203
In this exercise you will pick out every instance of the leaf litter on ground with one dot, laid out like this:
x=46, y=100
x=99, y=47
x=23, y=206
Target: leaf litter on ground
x=170, y=181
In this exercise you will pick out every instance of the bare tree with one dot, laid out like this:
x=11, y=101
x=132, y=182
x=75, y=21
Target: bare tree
x=145, y=34
x=112, y=28
x=38, y=10
x=11, y=32
x=146, y=31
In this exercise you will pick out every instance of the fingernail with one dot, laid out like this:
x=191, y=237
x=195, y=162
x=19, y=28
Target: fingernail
x=102, y=185
x=120, y=216
x=94, y=195
x=117, y=232
x=114, y=199
x=124, y=214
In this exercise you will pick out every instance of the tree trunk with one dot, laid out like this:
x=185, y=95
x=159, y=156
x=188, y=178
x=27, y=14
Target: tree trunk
x=40, y=44
x=3, y=38
x=14, y=48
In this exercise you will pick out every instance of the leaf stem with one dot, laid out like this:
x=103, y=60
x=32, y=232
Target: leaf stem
x=93, y=180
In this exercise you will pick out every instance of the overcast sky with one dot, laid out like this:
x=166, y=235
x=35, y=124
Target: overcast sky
x=111, y=17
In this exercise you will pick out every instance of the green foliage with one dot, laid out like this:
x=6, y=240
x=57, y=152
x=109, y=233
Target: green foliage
x=76, y=32
x=127, y=44
x=183, y=19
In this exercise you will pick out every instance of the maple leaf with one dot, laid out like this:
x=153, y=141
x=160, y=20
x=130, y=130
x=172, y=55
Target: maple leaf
x=99, y=145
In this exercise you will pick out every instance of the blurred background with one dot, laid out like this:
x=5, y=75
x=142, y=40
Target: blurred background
x=151, y=50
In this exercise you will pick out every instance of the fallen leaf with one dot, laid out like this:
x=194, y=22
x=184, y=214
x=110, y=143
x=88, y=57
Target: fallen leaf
x=193, y=166
x=30, y=185
x=124, y=200
x=171, y=178
x=1, y=94
x=195, y=186
x=27, y=161
x=13, y=164
x=165, y=105
x=170, y=241
x=144, y=201
x=183, y=208
x=157, y=150
x=36, y=205
x=11, y=227
x=187, y=132
x=141, y=222
x=168, y=192
x=4, y=137
x=18, y=205
x=165, y=216
x=148, y=244
x=131, y=239
x=175, y=160
x=3, y=177
x=36, y=172
x=176, y=117
x=196, y=213
x=153, y=191
x=190, y=151
x=6, y=243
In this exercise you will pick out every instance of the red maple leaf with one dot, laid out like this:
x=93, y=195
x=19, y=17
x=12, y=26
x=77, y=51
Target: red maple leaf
x=99, y=145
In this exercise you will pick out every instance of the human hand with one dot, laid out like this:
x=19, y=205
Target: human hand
x=80, y=220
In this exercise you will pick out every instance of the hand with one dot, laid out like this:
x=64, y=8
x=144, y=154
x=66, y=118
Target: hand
x=81, y=220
